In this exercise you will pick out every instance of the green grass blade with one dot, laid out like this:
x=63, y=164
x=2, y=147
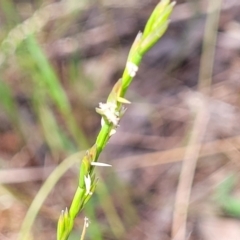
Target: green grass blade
x=55, y=90
x=44, y=191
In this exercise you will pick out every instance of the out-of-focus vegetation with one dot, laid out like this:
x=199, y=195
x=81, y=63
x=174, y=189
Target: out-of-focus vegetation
x=59, y=59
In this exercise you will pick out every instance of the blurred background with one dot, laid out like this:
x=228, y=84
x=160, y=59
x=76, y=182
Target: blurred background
x=175, y=156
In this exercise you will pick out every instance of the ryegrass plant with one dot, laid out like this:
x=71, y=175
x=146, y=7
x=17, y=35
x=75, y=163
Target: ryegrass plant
x=111, y=113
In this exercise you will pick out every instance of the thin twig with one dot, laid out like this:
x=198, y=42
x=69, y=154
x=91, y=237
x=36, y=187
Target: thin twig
x=228, y=145
x=209, y=46
x=175, y=155
x=192, y=153
x=85, y=226
x=187, y=173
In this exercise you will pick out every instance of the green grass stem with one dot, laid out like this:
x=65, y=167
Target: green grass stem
x=111, y=113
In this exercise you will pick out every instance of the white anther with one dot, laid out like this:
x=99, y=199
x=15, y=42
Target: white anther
x=86, y=222
x=132, y=69
x=87, y=180
x=109, y=111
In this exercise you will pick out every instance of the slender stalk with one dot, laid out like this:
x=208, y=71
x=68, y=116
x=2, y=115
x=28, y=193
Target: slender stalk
x=111, y=113
x=85, y=226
